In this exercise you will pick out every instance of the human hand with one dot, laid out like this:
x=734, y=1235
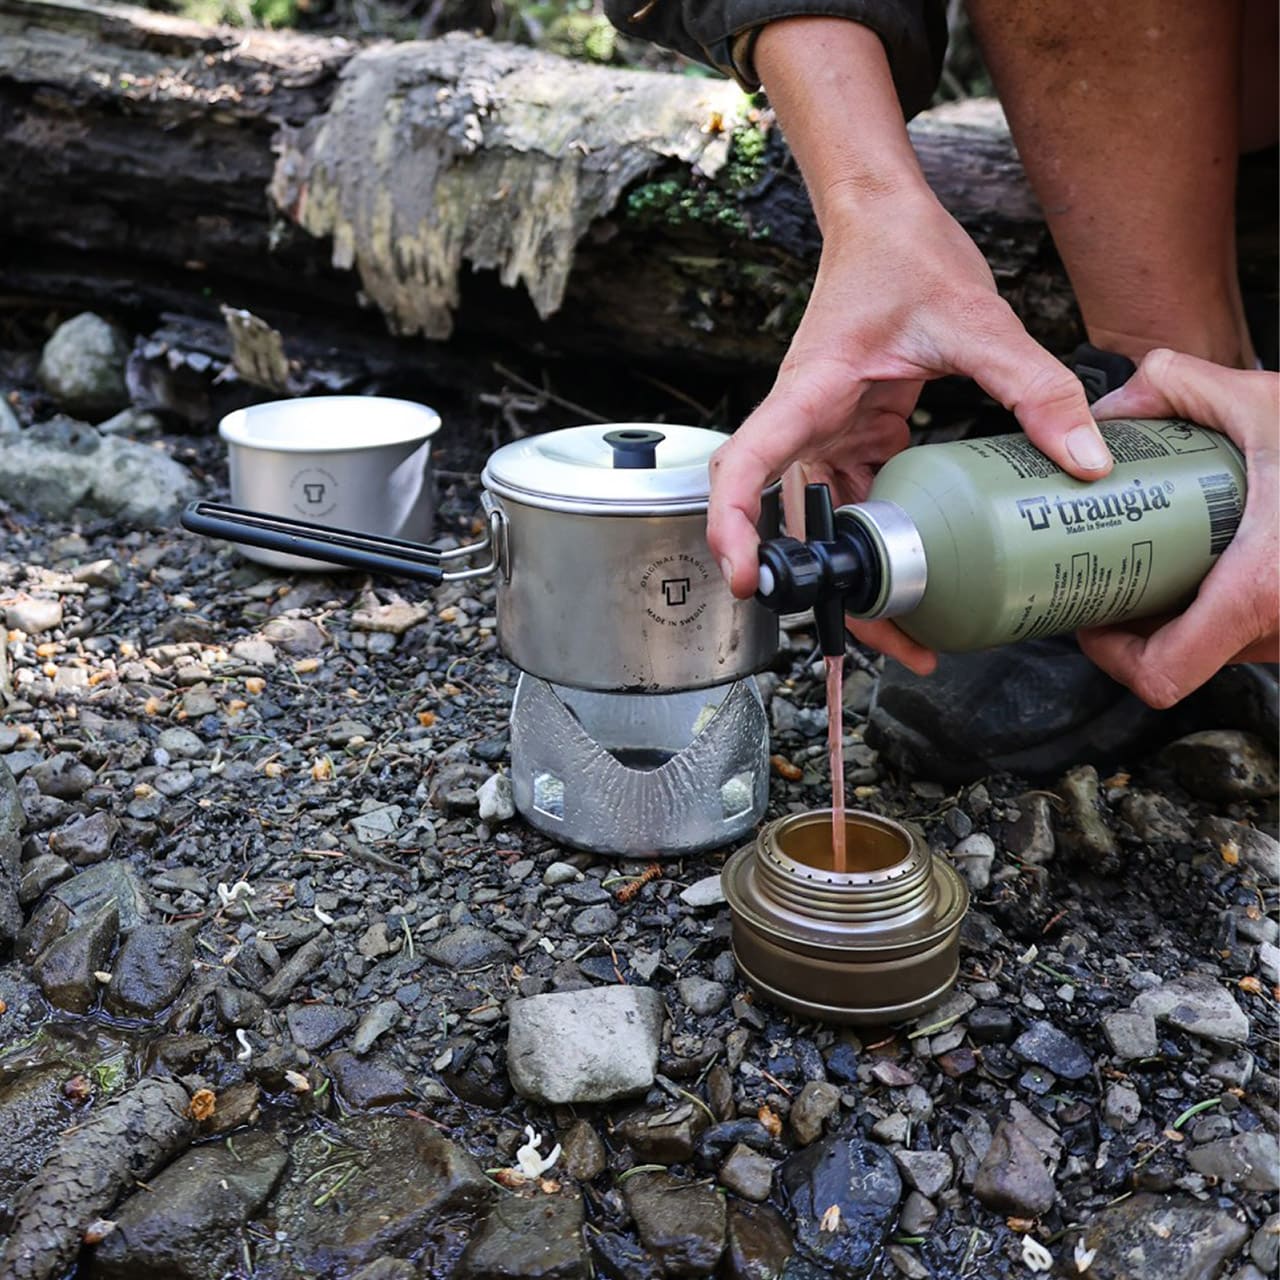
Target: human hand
x=902, y=295
x=1234, y=617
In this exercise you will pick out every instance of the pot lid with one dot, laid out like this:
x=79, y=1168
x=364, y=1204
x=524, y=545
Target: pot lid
x=622, y=468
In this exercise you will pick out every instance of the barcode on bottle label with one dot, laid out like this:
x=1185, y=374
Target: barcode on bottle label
x=1222, y=498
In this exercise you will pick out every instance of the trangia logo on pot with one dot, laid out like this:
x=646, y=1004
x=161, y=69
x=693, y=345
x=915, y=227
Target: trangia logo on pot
x=314, y=492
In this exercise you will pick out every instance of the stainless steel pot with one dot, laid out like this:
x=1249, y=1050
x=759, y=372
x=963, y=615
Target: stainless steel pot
x=597, y=540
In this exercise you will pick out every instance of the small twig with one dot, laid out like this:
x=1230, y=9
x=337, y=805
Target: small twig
x=550, y=395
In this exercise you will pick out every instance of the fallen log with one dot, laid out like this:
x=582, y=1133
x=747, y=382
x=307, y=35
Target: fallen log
x=453, y=185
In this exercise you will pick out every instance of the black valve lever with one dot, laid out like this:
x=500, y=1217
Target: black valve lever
x=836, y=569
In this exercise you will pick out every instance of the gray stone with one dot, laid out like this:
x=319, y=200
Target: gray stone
x=702, y=996
x=862, y=1181
x=891, y=1128
x=403, y=1184
x=583, y=1156
x=34, y=1110
x=1149, y=1237
x=707, y=892
x=9, y=424
x=585, y=1046
x=380, y=1019
x=1224, y=764
x=298, y=637
x=82, y=366
x=929, y=1172
x=1154, y=817
x=1269, y=962
x=87, y=840
x=664, y=1137
x=973, y=857
x=379, y=823
x=39, y=875
x=33, y=614
x=1085, y=833
x=62, y=776
x=187, y=1223
x=682, y=1224
x=1121, y=1105
x=65, y=969
x=151, y=969
x=1012, y=1177
x=918, y=1215
x=113, y=881
x=594, y=922
x=747, y=1173
x=11, y=820
x=55, y=467
x=297, y=969
x=1264, y=1248
x=497, y=799
x=106, y=574
x=315, y=1026
x=182, y=744
x=1198, y=1005
x=1249, y=1160
x=1029, y=837
x=1255, y=849
x=534, y=1239
x=814, y=1105
x=560, y=873
x=469, y=947
x=1046, y=1046
x=237, y=1007
x=1130, y=1034
x=368, y=1082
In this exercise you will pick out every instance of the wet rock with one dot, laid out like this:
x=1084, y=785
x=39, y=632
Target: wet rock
x=929, y=1172
x=1150, y=1237
x=1085, y=833
x=1264, y=1248
x=759, y=1242
x=39, y=875
x=1121, y=1106
x=594, y=922
x=153, y=965
x=536, y=1239
x=469, y=947
x=82, y=367
x=1046, y=1046
x=87, y=841
x=990, y=1024
x=664, y=1137
x=65, y=969
x=1154, y=817
x=973, y=857
x=497, y=799
x=33, y=614
x=10, y=860
x=237, y=1007
x=297, y=969
x=380, y=1019
x=585, y=1046
x=862, y=1181
x=815, y=1104
x=62, y=776
x=1130, y=1034
x=1012, y=1177
x=747, y=1173
x=1198, y=1005
x=1223, y=764
x=1255, y=849
x=619, y=1257
x=582, y=1154
x=187, y=1224
x=702, y=996
x=33, y=1111
x=1249, y=1160
x=682, y=1224
x=368, y=1082
x=402, y=1183
x=93, y=1164
x=918, y=1215
x=85, y=894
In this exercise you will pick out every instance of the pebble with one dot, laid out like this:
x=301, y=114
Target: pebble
x=1130, y=1034
x=918, y=1215
x=813, y=1106
x=1046, y=1046
x=1012, y=1177
x=1149, y=1237
x=380, y=1019
x=1029, y=837
x=1264, y=1248
x=316, y=1026
x=496, y=797
x=560, y=873
x=583, y=1155
x=534, y=1239
x=759, y=1243
x=1084, y=833
x=707, y=892
x=929, y=1172
x=368, y=1082
x=66, y=968
x=702, y=996
x=33, y=614
x=1269, y=962
x=1121, y=1105
x=990, y=1024
x=152, y=968
x=1224, y=764
x=973, y=857
x=747, y=1173
x=682, y=1224
x=1198, y=1005
x=182, y=744
x=594, y=922
x=87, y=840
x=468, y=947
x=1248, y=1160
x=82, y=367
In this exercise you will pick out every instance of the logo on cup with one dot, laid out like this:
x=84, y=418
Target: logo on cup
x=675, y=590
x=314, y=492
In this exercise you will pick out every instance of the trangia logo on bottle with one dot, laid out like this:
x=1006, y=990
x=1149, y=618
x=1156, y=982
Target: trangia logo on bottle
x=1130, y=503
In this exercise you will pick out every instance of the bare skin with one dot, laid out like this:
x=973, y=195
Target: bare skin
x=1128, y=118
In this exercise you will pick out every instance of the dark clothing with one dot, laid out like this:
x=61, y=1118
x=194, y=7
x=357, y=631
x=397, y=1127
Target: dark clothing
x=721, y=32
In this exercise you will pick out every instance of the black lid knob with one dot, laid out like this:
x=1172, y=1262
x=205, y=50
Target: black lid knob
x=634, y=448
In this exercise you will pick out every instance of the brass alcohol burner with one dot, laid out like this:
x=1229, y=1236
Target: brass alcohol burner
x=878, y=942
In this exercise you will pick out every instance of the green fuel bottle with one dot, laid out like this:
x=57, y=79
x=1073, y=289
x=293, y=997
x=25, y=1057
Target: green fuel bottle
x=986, y=542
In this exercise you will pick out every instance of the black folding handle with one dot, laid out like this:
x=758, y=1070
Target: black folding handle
x=301, y=538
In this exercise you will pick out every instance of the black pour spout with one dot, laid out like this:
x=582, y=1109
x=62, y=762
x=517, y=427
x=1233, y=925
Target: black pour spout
x=837, y=568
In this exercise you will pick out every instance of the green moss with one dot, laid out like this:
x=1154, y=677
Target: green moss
x=590, y=37
x=745, y=166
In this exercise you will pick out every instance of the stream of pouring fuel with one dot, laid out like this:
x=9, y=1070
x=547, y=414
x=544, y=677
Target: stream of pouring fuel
x=835, y=749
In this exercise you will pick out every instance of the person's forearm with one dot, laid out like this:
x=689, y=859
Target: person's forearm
x=828, y=80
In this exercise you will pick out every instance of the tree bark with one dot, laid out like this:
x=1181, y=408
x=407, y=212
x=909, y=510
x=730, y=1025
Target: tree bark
x=453, y=185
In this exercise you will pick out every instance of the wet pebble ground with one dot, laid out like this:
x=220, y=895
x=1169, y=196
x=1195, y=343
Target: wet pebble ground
x=288, y=990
